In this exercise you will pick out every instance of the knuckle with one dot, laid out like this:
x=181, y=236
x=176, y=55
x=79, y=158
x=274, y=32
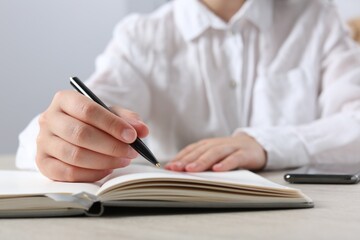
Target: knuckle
x=39, y=140
x=87, y=110
x=39, y=160
x=116, y=150
x=42, y=141
x=114, y=125
x=59, y=96
x=41, y=163
x=75, y=155
x=42, y=169
x=79, y=133
x=42, y=119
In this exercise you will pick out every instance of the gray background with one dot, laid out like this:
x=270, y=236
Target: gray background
x=43, y=42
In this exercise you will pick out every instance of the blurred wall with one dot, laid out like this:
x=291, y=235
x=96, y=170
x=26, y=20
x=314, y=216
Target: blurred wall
x=42, y=43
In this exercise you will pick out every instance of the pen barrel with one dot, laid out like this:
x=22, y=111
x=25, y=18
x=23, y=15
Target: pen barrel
x=143, y=150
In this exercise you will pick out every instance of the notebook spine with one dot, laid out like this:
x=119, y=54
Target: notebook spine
x=89, y=202
x=96, y=210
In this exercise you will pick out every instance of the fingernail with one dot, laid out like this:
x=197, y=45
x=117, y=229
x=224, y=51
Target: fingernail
x=179, y=165
x=192, y=166
x=128, y=135
x=217, y=167
x=168, y=166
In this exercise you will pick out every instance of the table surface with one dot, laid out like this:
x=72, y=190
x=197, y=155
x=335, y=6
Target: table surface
x=336, y=215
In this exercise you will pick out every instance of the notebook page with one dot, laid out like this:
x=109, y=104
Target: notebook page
x=147, y=173
x=19, y=183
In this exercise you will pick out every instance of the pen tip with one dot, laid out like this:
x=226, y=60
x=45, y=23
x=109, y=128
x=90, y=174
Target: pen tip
x=158, y=165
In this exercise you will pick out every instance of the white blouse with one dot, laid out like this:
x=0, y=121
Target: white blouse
x=285, y=72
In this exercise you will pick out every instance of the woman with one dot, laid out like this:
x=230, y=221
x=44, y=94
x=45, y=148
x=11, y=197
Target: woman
x=222, y=85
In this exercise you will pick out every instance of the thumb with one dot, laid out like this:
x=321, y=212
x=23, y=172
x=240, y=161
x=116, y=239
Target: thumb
x=133, y=119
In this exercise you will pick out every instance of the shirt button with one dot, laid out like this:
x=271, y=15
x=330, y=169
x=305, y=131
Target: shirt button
x=233, y=84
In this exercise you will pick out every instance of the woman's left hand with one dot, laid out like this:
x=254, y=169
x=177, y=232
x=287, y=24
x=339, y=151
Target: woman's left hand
x=220, y=154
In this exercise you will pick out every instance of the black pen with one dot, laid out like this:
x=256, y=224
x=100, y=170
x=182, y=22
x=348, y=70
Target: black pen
x=138, y=145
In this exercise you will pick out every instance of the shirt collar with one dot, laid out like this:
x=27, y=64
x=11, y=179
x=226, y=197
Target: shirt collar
x=193, y=18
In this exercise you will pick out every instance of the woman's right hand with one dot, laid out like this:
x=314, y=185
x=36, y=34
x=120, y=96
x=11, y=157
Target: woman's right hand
x=80, y=141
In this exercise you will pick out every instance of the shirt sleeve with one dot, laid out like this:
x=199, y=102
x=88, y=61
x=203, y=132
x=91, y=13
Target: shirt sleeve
x=335, y=136
x=122, y=67
x=122, y=71
x=26, y=152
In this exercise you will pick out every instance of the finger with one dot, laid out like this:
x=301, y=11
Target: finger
x=176, y=164
x=133, y=119
x=209, y=158
x=191, y=156
x=188, y=149
x=89, y=137
x=88, y=111
x=81, y=157
x=233, y=161
x=60, y=171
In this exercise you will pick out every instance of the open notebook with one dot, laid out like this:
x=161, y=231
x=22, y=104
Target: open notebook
x=24, y=193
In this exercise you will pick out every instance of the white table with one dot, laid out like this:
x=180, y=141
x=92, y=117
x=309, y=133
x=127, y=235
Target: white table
x=336, y=216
